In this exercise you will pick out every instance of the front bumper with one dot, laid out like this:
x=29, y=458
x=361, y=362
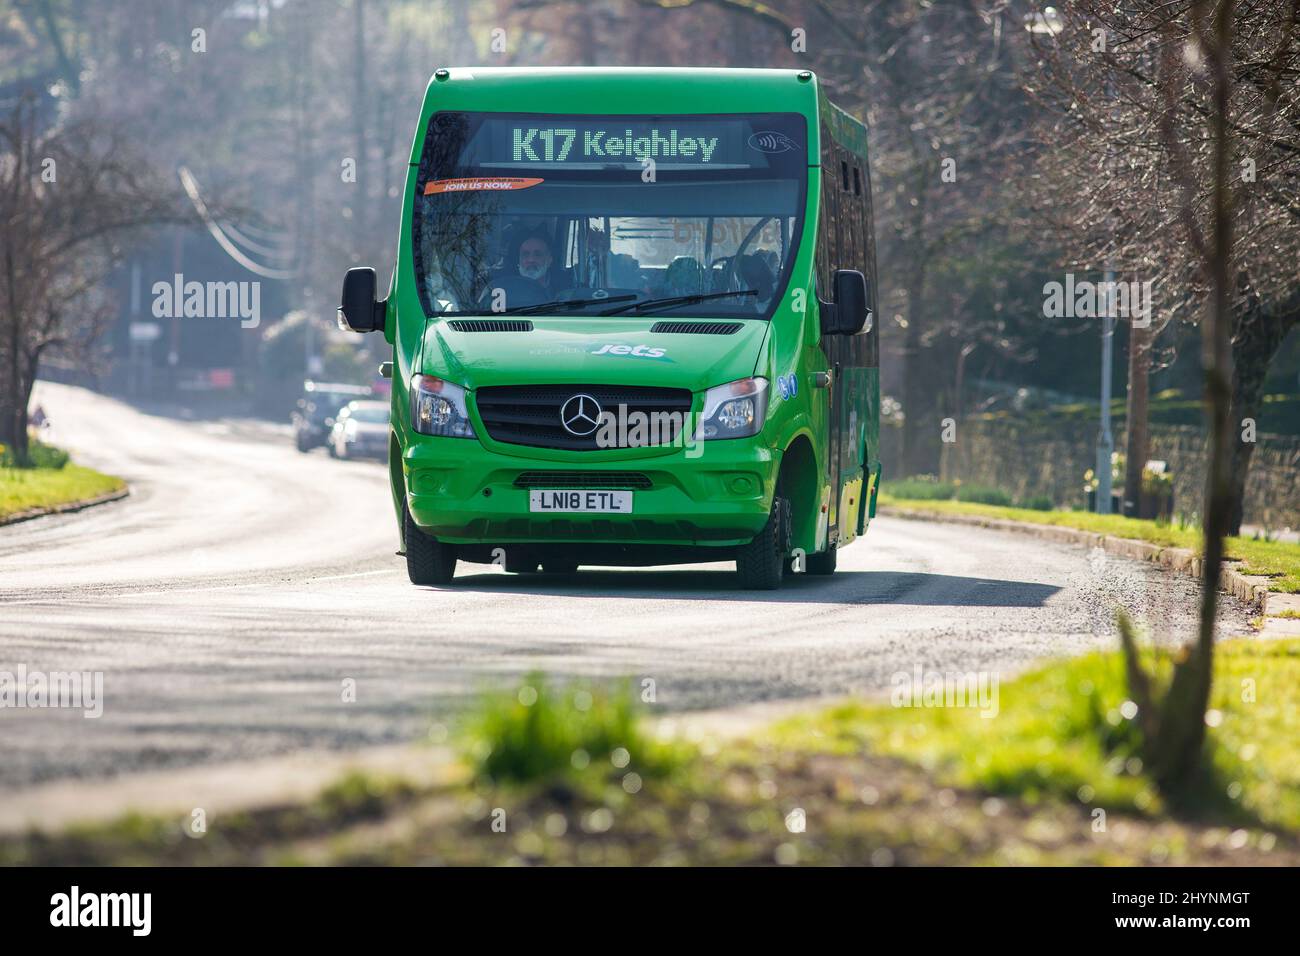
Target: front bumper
x=462, y=493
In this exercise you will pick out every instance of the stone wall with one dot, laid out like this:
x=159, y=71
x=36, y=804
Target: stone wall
x=1032, y=458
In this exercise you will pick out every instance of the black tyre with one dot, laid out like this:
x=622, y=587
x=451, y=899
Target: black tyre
x=301, y=441
x=559, y=567
x=760, y=564
x=822, y=563
x=428, y=560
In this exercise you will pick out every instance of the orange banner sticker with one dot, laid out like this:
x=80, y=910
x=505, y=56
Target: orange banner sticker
x=478, y=185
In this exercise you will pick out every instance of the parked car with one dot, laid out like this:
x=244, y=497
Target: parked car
x=319, y=406
x=360, y=431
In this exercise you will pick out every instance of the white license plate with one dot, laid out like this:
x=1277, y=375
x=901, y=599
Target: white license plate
x=558, y=500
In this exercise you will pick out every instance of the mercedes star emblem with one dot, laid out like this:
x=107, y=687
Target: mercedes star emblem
x=580, y=415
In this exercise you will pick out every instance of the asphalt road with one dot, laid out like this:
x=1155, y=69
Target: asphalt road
x=228, y=599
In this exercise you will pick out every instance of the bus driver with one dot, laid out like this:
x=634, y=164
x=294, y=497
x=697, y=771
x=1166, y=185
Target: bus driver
x=527, y=280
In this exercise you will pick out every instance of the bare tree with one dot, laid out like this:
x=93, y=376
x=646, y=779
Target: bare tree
x=69, y=194
x=1131, y=126
x=1173, y=724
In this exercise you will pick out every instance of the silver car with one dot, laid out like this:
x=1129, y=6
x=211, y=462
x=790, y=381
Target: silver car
x=360, y=431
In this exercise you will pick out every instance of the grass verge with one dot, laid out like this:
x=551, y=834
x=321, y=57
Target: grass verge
x=1060, y=733
x=25, y=489
x=1278, y=560
x=863, y=783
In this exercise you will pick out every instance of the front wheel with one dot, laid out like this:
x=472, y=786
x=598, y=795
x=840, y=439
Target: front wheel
x=760, y=564
x=428, y=560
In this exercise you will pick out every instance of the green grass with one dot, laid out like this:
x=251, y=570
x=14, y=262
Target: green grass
x=39, y=455
x=22, y=489
x=982, y=494
x=1059, y=733
x=543, y=732
x=870, y=778
x=921, y=489
x=1279, y=560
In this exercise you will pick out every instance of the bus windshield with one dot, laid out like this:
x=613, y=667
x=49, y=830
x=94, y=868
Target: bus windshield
x=697, y=215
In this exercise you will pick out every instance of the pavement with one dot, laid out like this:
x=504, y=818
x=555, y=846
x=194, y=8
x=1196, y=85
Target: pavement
x=245, y=602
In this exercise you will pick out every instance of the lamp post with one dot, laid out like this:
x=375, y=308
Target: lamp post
x=1105, y=440
x=1049, y=23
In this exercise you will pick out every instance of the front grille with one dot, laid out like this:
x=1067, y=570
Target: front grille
x=583, y=480
x=530, y=414
x=697, y=328
x=491, y=325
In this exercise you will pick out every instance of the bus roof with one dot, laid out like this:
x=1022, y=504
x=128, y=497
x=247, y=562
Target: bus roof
x=623, y=90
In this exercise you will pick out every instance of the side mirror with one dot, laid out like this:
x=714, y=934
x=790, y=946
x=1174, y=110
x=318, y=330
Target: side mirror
x=359, y=312
x=851, y=311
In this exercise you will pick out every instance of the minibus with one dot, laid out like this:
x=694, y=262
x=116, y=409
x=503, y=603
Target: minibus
x=631, y=322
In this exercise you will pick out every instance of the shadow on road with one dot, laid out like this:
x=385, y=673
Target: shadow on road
x=846, y=587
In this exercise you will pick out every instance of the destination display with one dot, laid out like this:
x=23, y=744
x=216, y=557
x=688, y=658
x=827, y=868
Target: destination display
x=536, y=142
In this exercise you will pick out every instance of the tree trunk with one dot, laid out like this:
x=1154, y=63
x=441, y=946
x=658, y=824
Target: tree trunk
x=13, y=415
x=1258, y=336
x=920, y=450
x=1177, y=753
x=13, y=404
x=1137, y=444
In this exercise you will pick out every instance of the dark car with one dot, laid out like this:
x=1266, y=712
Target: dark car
x=318, y=408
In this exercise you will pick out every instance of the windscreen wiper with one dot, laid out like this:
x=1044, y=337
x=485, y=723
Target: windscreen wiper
x=564, y=305
x=648, y=305
x=560, y=305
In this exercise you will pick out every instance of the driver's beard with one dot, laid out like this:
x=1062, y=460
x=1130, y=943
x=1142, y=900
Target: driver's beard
x=536, y=274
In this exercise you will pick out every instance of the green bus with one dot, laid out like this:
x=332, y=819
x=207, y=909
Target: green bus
x=631, y=322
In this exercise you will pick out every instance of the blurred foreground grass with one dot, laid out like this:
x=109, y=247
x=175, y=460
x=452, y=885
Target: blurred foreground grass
x=580, y=780
x=1061, y=733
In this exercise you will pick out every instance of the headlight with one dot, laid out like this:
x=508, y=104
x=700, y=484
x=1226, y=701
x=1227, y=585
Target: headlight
x=734, y=410
x=438, y=408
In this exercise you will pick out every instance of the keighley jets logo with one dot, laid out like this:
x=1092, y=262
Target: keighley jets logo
x=770, y=141
x=638, y=351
